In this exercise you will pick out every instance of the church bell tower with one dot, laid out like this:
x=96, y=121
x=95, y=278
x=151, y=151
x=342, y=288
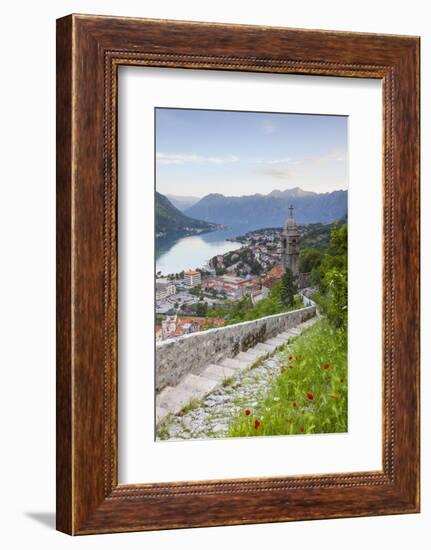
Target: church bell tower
x=290, y=245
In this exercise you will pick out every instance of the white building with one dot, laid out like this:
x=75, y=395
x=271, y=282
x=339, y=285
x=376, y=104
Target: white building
x=192, y=278
x=169, y=326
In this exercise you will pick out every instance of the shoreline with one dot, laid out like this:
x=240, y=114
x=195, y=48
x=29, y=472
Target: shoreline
x=201, y=266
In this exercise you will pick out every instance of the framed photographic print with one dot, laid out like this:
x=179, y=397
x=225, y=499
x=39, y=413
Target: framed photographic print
x=237, y=274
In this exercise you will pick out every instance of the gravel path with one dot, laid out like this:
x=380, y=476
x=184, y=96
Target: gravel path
x=210, y=418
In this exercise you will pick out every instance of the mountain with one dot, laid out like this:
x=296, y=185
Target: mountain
x=256, y=211
x=182, y=203
x=171, y=222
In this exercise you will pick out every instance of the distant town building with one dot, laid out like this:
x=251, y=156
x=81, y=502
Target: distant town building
x=272, y=277
x=159, y=335
x=290, y=245
x=258, y=295
x=164, y=288
x=192, y=278
x=169, y=326
x=234, y=287
x=175, y=326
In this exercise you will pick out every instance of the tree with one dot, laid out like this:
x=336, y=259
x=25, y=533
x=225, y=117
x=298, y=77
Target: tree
x=256, y=268
x=195, y=291
x=288, y=288
x=331, y=279
x=309, y=259
x=201, y=309
x=334, y=302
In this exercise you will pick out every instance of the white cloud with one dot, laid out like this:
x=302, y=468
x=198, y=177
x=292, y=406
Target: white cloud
x=285, y=172
x=337, y=154
x=330, y=165
x=287, y=160
x=174, y=158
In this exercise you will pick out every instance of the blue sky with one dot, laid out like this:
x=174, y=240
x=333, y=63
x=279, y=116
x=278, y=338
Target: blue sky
x=242, y=153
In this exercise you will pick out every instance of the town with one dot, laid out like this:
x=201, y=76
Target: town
x=202, y=298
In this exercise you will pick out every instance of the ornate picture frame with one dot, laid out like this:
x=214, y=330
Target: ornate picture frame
x=89, y=51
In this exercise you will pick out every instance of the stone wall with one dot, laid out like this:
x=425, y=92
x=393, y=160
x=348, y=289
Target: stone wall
x=192, y=352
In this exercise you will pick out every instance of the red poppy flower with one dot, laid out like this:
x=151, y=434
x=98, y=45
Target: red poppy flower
x=290, y=366
x=294, y=404
x=247, y=412
x=256, y=424
x=301, y=429
x=326, y=366
x=290, y=358
x=310, y=396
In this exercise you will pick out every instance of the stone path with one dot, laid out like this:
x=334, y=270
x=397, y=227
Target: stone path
x=197, y=406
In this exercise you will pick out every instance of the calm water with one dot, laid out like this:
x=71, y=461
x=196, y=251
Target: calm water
x=193, y=252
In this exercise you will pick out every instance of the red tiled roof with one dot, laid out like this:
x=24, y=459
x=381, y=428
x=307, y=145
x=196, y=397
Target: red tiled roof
x=276, y=272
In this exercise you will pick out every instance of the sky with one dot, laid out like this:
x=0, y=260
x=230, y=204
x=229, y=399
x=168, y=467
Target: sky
x=242, y=153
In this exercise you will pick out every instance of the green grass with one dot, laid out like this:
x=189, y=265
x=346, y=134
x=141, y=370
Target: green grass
x=163, y=433
x=191, y=406
x=305, y=397
x=228, y=381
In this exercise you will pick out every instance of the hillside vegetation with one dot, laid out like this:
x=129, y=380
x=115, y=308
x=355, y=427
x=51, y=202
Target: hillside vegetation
x=309, y=395
x=170, y=221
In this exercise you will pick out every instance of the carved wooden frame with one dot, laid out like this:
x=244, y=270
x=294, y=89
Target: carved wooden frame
x=89, y=51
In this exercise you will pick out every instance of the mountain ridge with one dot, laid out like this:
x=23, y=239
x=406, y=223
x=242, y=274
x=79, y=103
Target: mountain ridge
x=272, y=209
x=182, y=202
x=171, y=221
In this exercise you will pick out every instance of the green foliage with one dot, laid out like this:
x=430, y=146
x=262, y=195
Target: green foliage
x=163, y=432
x=195, y=291
x=273, y=304
x=306, y=397
x=288, y=289
x=201, y=309
x=316, y=236
x=243, y=257
x=309, y=259
x=243, y=310
x=228, y=382
x=191, y=406
x=171, y=221
x=334, y=302
x=331, y=279
x=255, y=267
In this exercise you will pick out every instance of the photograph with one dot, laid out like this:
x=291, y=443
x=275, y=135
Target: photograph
x=211, y=275
x=251, y=274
